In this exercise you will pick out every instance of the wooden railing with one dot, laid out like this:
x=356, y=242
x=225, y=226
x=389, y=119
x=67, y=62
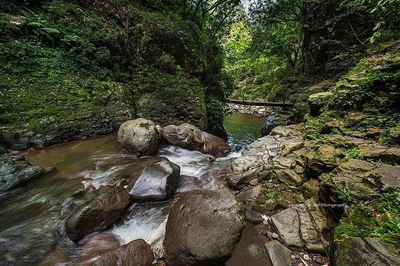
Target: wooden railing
x=274, y=104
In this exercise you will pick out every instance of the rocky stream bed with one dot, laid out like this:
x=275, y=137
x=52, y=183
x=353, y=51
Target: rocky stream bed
x=191, y=200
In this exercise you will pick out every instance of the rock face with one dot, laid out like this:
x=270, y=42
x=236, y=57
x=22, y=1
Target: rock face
x=191, y=137
x=156, y=181
x=15, y=170
x=174, y=107
x=362, y=179
x=98, y=213
x=297, y=228
x=317, y=101
x=357, y=251
x=269, y=156
x=135, y=253
x=321, y=160
x=139, y=136
x=60, y=127
x=378, y=152
x=203, y=228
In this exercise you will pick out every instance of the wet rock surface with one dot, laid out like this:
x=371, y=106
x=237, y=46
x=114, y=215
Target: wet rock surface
x=203, y=228
x=135, y=253
x=94, y=247
x=139, y=136
x=191, y=137
x=15, y=171
x=98, y=213
x=157, y=181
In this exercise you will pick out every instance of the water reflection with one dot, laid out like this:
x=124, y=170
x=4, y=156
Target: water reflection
x=242, y=128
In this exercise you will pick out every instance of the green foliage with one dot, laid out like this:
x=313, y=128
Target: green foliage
x=380, y=218
x=215, y=114
x=385, y=13
x=345, y=195
x=210, y=14
x=256, y=74
x=63, y=61
x=354, y=153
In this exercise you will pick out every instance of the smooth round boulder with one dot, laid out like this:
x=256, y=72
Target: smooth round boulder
x=203, y=228
x=135, y=253
x=97, y=214
x=156, y=181
x=139, y=136
x=191, y=137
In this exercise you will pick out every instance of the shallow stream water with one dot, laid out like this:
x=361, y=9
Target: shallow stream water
x=31, y=217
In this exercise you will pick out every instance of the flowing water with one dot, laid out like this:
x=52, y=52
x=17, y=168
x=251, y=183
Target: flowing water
x=31, y=217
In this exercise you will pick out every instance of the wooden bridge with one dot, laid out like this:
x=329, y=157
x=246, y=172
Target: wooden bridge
x=273, y=104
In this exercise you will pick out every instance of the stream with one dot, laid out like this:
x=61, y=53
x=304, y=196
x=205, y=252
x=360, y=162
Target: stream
x=31, y=217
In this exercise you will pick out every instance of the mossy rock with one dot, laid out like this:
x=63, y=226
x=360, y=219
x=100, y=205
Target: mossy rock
x=318, y=101
x=357, y=251
x=393, y=136
x=87, y=80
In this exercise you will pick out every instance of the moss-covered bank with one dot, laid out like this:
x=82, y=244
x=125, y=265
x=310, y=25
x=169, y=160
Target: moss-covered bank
x=75, y=69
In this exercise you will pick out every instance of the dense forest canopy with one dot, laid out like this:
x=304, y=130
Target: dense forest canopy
x=305, y=34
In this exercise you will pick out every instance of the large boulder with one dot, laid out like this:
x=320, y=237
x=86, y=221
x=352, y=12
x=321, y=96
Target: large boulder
x=357, y=251
x=202, y=228
x=135, y=253
x=15, y=170
x=139, y=136
x=191, y=137
x=156, y=181
x=98, y=213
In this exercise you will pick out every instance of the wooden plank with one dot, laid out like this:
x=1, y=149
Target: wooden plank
x=276, y=104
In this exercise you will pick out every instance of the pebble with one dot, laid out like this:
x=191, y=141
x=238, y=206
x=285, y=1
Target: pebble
x=293, y=257
x=275, y=236
x=306, y=257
